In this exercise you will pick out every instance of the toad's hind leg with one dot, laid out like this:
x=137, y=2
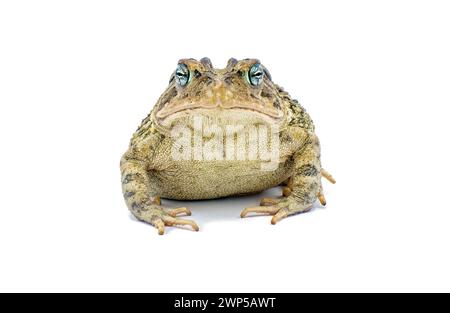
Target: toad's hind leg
x=305, y=186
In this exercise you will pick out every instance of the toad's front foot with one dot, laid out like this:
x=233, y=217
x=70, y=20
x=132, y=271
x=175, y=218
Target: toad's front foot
x=279, y=208
x=155, y=215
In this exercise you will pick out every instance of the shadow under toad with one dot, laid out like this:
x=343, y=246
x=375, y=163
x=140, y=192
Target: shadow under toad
x=224, y=209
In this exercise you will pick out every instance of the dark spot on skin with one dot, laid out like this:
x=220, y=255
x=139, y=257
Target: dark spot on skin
x=129, y=194
x=197, y=74
x=131, y=177
x=308, y=170
x=209, y=81
x=229, y=80
x=128, y=178
x=136, y=207
x=276, y=104
x=265, y=94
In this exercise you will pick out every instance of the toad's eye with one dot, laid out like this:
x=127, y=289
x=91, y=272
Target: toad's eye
x=182, y=75
x=256, y=75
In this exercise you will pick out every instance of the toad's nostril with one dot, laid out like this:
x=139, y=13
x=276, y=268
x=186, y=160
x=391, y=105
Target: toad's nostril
x=209, y=81
x=228, y=81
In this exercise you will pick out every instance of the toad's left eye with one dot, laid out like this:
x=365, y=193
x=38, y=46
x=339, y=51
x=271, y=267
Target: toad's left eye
x=256, y=75
x=182, y=75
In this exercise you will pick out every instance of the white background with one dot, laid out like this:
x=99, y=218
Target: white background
x=77, y=77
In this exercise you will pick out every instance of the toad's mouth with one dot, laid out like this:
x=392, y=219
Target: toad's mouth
x=186, y=108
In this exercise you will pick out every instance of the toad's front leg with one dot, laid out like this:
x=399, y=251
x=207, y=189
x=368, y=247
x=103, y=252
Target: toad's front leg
x=305, y=185
x=138, y=193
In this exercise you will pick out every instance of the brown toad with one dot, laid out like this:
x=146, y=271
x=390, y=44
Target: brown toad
x=222, y=132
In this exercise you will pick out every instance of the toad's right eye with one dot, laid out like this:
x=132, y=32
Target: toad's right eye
x=256, y=75
x=182, y=75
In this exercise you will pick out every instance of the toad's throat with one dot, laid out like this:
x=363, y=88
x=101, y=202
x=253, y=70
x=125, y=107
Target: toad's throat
x=263, y=109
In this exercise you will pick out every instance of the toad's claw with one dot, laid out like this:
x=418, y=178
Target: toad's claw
x=161, y=222
x=321, y=197
x=172, y=221
x=271, y=210
x=160, y=218
x=178, y=211
x=328, y=176
x=279, y=216
x=278, y=208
